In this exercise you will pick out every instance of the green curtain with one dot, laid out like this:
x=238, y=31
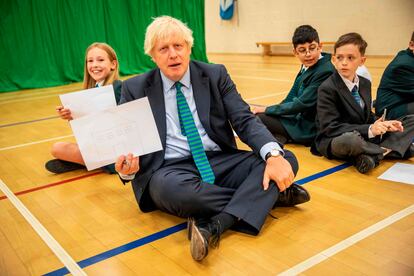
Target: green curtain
x=43, y=42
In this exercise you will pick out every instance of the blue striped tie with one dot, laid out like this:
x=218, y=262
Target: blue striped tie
x=189, y=130
x=357, y=97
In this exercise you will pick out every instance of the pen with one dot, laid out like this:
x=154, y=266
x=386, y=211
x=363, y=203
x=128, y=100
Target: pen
x=383, y=119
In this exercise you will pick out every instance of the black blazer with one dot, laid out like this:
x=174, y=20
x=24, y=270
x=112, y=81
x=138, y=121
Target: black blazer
x=338, y=112
x=219, y=107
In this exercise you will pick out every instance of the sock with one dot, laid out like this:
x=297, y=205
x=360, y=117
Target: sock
x=225, y=220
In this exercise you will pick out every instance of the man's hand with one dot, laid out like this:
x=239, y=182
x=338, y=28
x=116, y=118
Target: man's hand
x=127, y=164
x=257, y=109
x=381, y=127
x=279, y=170
x=64, y=113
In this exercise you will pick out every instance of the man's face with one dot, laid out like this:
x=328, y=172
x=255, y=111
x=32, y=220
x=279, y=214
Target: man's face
x=347, y=58
x=172, y=56
x=308, y=53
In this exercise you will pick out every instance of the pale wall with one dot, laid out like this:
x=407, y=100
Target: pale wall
x=386, y=25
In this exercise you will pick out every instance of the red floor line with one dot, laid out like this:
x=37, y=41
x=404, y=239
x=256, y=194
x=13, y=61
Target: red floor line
x=53, y=184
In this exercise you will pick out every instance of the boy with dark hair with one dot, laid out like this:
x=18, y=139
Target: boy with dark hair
x=396, y=90
x=347, y=128
x=293, y=120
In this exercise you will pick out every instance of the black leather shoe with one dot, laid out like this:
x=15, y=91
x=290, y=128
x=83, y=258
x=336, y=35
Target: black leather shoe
x=202, y=233
x=410, y=152
x=364, y=163
x=60, y=166
x=292, y=196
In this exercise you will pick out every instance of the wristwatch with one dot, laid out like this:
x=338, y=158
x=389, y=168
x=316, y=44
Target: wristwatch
x=272, y=153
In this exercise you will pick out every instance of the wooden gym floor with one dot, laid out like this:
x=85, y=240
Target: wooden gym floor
x=354, y=224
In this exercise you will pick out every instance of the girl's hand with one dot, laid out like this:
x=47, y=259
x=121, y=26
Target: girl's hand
x=64, y=113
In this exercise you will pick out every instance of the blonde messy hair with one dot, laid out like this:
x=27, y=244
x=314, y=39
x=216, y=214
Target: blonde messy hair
x=162, y=28
x=88, y=81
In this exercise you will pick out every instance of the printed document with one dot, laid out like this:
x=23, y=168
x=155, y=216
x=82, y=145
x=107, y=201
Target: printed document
x=87, y=101
x=105, y=135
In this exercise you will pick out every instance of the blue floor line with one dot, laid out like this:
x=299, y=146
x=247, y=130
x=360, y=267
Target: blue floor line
x=322, y=173
x=121, y=249
x=159, y=235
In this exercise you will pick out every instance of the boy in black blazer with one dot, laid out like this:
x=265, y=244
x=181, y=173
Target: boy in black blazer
x=347, y=128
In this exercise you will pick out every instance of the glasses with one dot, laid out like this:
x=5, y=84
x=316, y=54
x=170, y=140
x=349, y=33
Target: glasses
x=303, y=51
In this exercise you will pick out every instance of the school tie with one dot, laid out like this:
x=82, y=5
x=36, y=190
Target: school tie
x=189, y=130
x=357, y=97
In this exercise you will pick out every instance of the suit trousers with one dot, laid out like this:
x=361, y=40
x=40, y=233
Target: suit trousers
x=177, y=188
x=410, y=108
x=275, y=126
x=352, y=144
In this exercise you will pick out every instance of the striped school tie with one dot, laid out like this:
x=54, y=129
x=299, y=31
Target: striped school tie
x=189, y=129
x=357, y=97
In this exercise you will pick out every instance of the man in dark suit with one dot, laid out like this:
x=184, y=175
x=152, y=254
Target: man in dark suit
x=293, y=119
x=347, y=128
x=396, y=90
x=200, y=174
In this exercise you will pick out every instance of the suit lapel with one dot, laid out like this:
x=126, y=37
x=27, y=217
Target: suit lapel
x=201, y=92
x=155, y=94
x=365, y=93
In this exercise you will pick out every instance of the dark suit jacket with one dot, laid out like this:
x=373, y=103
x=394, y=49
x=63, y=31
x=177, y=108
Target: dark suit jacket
x=297, y=111
x=396, y=88
x=117, y=85
x=219, y=107
x=338, y=112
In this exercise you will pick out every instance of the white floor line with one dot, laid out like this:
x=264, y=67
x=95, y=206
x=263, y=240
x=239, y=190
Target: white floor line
x=19, y=95
x=28, y=99
x=260, y=78
x=67, y=260
x=320, y=257
x=35, y=142
x=266, y=96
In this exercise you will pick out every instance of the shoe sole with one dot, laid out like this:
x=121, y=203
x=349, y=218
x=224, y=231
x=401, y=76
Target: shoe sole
x=198, y=246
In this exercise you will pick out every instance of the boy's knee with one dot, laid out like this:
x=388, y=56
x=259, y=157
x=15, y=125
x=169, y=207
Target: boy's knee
x=57, y=149
x=349, y=140
x=348, y=144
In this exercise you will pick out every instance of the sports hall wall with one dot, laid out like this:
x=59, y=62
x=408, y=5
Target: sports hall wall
x=386, y=25
x=43, y=43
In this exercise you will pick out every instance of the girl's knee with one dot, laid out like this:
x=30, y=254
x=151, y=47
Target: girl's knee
x=57, y=149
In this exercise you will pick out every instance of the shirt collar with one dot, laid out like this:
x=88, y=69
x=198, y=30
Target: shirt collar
x=351, y=84
x=168, y=84
x=100, y=84
x=304, y=68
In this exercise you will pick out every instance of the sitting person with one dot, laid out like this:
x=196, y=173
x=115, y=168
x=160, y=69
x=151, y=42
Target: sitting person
x=347, y=128
x=101, y=68
x=293, y=120
x=363, y=72
x=200, y=174
x=396, y=90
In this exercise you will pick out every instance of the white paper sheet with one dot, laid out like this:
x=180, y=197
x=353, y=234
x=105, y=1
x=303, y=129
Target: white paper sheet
x=128, y=128
x=87, y=101
x=399, y=172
